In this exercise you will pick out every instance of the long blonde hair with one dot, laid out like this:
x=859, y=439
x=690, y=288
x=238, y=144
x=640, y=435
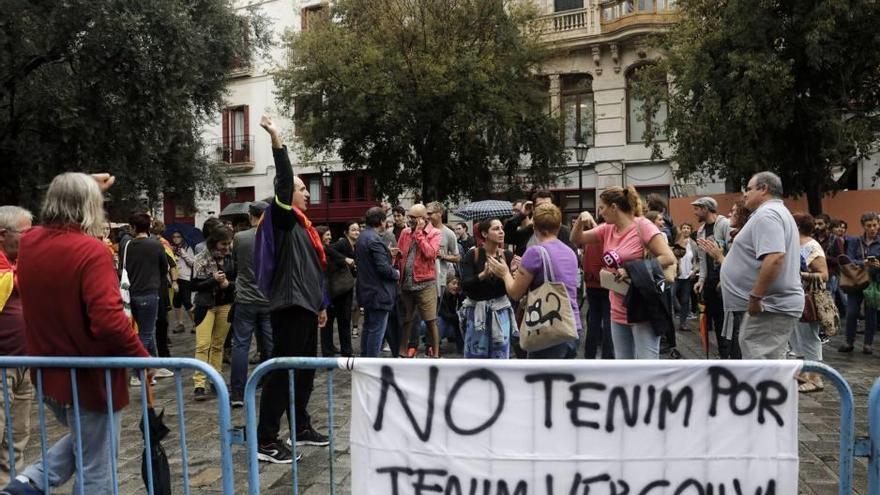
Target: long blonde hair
x=74, y=198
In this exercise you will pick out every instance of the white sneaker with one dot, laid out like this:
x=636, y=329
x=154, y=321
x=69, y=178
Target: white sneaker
x=136, y=382
x=386, y=348
x=163, y=373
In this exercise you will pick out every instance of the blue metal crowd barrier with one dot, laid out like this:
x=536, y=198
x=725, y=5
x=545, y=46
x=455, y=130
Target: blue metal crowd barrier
x=874, y=439
x=849, y=447
x=76, y=363
x=847, y=423
x=289, y=364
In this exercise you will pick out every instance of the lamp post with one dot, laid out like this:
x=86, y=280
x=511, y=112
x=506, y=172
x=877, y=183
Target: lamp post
x=580, y=152
x=326, y=181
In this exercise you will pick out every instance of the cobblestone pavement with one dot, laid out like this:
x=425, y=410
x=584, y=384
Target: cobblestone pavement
x=818, y=432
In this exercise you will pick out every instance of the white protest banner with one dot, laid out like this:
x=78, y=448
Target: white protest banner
x=474, y=427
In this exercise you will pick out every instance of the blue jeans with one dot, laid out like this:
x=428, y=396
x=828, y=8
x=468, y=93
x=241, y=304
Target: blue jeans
x=145, y=310
x=61, y=457
x=853, y=305
x=247, y=318
x=373, y=331
x=635, y=341
x=682, y=290
x=567, y=350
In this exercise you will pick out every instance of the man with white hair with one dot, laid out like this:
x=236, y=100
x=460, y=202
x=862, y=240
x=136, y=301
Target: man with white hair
x=761, y=274
x=72, y=307
x=20, y=393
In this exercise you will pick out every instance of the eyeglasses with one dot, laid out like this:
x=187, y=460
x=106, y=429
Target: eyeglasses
x=16, y=231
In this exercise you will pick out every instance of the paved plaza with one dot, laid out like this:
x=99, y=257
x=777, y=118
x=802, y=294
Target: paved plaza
x=818, y=432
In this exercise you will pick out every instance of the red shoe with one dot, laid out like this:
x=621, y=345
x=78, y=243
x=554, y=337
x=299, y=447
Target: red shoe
x=429, y=352
x=411, y=352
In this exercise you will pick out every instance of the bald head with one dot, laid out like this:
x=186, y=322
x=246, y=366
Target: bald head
x=417, y=210
x=300, y=194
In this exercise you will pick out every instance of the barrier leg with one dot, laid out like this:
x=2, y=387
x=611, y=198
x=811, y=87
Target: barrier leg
x=847, y=423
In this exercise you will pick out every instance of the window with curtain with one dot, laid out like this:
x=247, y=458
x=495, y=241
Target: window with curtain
x=637, y=122
x=578, y=115
x=315, y=190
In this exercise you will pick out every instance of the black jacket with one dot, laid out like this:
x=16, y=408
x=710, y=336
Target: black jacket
x=298, y=279
x=519, y=237
x=644, y=301
x=208, y=293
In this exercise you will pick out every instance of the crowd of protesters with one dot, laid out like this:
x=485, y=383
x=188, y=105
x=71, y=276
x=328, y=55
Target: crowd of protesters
x=284, y=282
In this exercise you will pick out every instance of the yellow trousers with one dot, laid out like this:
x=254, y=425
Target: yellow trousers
x=210, y=336
x=21, y=396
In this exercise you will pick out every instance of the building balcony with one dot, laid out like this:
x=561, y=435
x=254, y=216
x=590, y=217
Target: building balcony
x=234, y=153
x=602, y=19
x=561, y=26
x=618, y=15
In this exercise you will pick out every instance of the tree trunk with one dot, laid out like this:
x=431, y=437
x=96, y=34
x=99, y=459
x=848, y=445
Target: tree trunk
x=814, y=199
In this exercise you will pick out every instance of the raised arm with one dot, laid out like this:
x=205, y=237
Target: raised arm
x=583, y=232
x=283, y=168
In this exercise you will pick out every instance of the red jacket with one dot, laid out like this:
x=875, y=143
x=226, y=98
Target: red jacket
x=428, y=242
x=72, y=307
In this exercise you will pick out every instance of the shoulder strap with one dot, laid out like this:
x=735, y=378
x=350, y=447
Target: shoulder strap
x=549, y=276
x=125, y=253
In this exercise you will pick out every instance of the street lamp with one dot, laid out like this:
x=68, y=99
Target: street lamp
x=326, y=181
x=580, y=153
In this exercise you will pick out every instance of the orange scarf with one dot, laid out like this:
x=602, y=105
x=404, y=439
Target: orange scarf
x=313, y=235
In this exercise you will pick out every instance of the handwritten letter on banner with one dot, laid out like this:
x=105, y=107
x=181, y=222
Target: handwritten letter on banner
x=461, y=427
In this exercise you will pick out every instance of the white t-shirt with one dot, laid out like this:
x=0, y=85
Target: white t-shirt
x=770, y=229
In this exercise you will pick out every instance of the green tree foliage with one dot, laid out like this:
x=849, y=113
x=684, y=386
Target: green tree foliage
x=435, y=95
x=791, y=86
x=115, y=85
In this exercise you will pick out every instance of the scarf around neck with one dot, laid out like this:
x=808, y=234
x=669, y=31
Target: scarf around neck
x=264, y=246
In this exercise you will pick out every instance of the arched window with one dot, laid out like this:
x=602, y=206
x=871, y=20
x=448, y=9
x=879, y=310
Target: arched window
x=577, y=109
x=637, y=122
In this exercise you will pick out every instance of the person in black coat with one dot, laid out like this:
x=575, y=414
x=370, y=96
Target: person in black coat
x=340, y=257
x=376, y=283
x=519, y=231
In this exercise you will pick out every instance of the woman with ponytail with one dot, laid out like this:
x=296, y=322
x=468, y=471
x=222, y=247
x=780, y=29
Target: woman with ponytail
x=625, y=236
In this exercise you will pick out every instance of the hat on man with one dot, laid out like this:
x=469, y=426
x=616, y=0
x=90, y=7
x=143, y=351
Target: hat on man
x=255, y=208
x=708, y=202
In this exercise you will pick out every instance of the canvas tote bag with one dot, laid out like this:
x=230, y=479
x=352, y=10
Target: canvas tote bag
x=549, y=319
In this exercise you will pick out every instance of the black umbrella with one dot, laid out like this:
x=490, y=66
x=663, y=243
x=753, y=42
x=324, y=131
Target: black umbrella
x=158, y=431
x=482, y=210
x=235, y=209
x=190, y=234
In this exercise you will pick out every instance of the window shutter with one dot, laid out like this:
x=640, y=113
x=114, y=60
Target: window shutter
x=247, y=124
x=226, y=124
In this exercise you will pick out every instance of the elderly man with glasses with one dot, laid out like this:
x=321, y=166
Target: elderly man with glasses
x=20, y=394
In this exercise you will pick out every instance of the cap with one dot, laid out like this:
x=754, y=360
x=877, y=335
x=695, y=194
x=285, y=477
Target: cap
x=708, y=202
x=255, y=208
